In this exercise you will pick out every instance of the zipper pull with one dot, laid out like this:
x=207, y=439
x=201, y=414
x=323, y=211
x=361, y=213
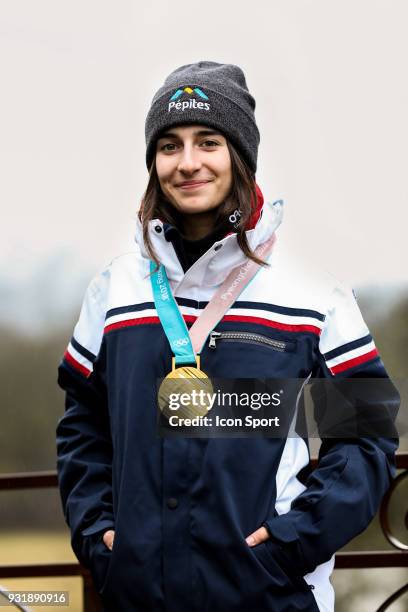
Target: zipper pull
x=213, y=336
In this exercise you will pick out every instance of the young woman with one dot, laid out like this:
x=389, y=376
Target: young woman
x=201, y=524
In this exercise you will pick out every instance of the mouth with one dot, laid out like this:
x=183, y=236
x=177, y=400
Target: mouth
x=192, y=185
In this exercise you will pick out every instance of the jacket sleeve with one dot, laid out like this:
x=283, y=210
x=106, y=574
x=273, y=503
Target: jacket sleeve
x=344, y=492
x=84, y=445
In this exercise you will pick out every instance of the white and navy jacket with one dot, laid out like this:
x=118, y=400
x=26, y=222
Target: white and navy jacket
x=181, y=508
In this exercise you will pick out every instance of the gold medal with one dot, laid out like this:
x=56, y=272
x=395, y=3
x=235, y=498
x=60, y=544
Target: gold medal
x=184, y=392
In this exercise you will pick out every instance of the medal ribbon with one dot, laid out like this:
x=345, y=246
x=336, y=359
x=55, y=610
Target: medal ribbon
x=186, y=343
x=171, y=318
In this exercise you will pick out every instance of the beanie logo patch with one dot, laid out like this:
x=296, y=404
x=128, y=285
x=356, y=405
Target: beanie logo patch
x=188, y=90
x=191, y=103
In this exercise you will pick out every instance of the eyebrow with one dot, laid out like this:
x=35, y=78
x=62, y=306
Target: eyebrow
x=196, y=133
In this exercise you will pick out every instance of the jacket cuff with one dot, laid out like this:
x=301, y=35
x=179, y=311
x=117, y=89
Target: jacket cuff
x=283, y=532
x=90, y=537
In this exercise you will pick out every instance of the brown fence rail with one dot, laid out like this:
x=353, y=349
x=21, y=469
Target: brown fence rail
x=344, y=560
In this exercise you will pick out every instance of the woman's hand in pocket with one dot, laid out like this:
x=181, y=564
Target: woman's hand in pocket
x=257, y=537
x=108, y=538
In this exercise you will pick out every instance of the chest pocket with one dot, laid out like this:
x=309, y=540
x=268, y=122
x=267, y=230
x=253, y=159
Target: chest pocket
x=248, y=354
x=283, y=346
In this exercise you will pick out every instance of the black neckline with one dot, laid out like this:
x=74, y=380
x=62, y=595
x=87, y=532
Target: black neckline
x=188, y=251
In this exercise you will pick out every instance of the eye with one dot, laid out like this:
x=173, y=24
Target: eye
x=169, y=146
x=210, y=143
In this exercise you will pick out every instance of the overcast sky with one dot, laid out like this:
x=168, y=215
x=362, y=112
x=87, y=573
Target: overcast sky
x=329, y=78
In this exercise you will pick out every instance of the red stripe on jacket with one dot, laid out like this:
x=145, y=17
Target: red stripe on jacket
x=75, y=364
x=232, y=318
x=350, y=363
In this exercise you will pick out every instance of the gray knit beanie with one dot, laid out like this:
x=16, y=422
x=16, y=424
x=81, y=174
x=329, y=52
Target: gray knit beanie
x=212, y=94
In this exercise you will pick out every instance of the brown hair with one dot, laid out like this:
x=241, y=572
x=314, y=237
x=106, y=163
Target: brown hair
x=242, y=196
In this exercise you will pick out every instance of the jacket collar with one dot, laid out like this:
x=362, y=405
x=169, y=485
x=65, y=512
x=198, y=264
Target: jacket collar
x=215, y=264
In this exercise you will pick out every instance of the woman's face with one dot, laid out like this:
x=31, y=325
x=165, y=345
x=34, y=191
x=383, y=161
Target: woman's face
x=194, y=168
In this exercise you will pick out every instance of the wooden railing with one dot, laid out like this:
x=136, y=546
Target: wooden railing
x=344, y=560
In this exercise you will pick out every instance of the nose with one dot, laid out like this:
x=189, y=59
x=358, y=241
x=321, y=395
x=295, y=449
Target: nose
x=189, y=160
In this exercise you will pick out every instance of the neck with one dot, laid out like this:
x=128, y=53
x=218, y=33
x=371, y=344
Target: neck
x=198, y=225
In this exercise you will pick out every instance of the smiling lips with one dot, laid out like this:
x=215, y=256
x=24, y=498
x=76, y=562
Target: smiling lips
x=190, y=185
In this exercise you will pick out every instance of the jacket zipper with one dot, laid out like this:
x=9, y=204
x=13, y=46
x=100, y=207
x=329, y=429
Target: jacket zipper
x=278, y=345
